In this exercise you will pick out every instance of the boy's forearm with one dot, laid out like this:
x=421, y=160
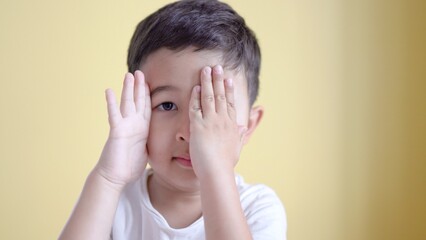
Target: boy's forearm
x=94, y=212
x=222, y=212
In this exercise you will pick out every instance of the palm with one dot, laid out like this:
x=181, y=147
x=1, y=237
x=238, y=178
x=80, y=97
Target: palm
x=124, y=156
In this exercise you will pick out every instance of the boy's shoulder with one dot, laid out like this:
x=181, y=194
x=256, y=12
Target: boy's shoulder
x=256, y=195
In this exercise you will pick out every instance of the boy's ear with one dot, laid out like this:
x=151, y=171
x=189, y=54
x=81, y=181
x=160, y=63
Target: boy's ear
x=256, y=114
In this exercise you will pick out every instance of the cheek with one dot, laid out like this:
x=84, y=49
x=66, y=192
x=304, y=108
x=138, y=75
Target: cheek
x=157, y=139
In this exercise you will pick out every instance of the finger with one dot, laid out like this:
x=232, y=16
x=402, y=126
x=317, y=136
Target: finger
x=147, y=105
x=207, y=95
x=139, y=91
x=114, y=114
x=219, y=89
x=194, y=104
x=127, y=105
x=230, y=98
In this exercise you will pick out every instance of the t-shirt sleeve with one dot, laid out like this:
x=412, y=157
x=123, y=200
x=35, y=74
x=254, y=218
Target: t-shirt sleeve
x=265, y=214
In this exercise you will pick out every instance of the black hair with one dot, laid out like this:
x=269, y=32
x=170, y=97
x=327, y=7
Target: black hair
x=206, y=25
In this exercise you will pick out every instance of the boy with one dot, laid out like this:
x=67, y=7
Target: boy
x=188, y=117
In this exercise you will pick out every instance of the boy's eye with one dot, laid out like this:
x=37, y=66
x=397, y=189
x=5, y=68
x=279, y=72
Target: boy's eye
x=166, y=106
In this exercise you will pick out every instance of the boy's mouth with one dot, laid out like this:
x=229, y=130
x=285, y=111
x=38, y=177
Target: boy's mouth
x=184, y=161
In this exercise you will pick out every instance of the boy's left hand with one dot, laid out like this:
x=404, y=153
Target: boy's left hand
x=215, y=137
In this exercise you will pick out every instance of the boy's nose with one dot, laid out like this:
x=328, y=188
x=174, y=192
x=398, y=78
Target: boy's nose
x=182, y=133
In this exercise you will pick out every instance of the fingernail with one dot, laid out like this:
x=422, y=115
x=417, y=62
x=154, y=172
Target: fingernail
x=198, y=88
x=208, y=70
x=218, y=69
x=229, y=82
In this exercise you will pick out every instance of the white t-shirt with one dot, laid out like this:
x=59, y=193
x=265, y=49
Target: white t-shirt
x=136, y=218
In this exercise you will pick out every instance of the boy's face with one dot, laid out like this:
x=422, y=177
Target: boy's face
x=171, y=76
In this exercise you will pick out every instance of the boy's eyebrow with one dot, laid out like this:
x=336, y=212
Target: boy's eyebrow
x=162, y=88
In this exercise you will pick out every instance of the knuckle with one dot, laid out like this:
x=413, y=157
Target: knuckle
x=231, y=105
x=208, y=98
x=221, y=97
x=196, y=108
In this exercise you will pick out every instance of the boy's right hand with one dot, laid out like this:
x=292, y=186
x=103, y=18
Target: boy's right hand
x=125, y=156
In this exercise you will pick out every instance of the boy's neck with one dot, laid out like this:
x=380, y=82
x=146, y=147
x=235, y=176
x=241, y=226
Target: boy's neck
x=179, y=208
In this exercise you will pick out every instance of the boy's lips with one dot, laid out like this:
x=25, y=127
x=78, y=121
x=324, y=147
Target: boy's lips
x=185, y=161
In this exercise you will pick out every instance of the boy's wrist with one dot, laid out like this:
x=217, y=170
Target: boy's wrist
x=99, y=177
x=217, y=175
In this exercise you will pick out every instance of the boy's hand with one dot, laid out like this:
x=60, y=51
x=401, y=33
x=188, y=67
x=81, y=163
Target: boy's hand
x=215, y=137
x=124, y=156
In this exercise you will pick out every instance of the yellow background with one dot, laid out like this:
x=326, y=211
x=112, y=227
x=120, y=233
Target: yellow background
x=342, y=142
